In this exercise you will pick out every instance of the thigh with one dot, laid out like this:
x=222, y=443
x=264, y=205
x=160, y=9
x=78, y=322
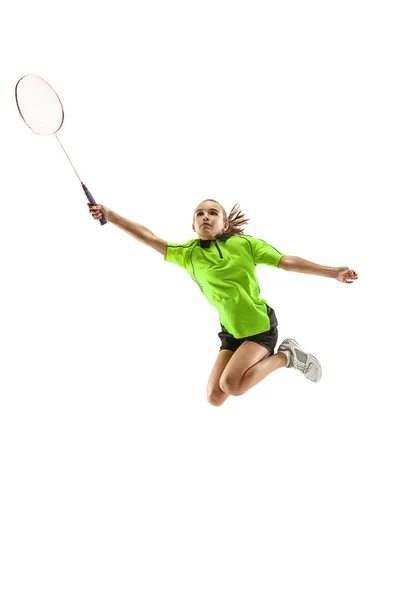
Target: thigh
x=223, y=359
x=245, y=357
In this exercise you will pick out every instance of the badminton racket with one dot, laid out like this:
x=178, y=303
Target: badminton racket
x=42, y=110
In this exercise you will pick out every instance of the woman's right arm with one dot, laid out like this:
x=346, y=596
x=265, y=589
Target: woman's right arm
x=139, y=232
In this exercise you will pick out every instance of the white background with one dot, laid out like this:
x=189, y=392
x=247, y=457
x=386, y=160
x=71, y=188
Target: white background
x=118, y=479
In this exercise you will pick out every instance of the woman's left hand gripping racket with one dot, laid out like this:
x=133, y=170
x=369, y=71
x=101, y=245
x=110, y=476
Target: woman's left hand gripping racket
x=41, y=109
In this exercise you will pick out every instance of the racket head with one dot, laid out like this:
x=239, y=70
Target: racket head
x=39, y=105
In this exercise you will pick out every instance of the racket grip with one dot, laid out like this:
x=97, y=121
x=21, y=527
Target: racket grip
x=92, y=201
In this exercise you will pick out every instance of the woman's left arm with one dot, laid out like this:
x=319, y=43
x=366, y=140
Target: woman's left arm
x=300, y=265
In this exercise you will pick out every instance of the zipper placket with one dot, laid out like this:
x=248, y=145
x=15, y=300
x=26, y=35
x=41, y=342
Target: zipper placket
x=218, y=248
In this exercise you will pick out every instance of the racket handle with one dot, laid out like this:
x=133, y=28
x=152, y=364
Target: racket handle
x=92, y=201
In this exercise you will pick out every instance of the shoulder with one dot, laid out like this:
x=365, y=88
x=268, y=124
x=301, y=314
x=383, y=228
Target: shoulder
x=179, y=252
x=188, y=244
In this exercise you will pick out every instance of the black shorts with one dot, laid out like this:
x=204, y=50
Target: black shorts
x=268, y=339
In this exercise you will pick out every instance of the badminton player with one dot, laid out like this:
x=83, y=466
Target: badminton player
x=222, y=262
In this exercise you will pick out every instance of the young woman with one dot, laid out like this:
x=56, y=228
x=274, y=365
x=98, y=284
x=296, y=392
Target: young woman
x=222, y=261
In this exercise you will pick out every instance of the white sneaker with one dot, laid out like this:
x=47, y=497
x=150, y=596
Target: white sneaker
x=300, y=360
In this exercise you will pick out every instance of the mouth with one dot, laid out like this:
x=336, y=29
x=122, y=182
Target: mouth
x=206, y=225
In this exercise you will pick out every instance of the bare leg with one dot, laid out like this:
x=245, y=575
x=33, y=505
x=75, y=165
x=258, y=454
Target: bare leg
x=215, y=395
x=260, y=370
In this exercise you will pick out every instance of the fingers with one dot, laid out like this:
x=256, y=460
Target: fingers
x=352, y=274
x=348, y=275
x=95, y=211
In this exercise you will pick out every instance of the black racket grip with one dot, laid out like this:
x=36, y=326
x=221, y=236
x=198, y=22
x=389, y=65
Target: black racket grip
x=92, y=201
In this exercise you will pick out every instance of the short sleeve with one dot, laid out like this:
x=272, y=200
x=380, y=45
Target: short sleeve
x=265, y=254
x=179, y=254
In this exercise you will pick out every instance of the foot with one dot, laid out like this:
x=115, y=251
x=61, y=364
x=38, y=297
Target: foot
x=300, y=360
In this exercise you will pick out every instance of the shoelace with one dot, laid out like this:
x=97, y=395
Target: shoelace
x=309, y=369
x=298, y=364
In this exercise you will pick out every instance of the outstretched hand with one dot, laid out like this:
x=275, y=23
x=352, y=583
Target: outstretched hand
x=346, y=275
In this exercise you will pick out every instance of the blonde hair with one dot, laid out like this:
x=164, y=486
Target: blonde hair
x=236, y=218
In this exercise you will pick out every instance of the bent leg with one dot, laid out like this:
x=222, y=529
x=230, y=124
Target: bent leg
x=215, y=395
x=259, y=371
x=251, y=363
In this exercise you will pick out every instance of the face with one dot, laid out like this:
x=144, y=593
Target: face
x=209, y=220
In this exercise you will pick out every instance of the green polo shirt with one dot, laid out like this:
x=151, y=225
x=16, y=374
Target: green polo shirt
x=225, y=271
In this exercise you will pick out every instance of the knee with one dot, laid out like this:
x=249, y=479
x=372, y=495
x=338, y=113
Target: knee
x=230, y=387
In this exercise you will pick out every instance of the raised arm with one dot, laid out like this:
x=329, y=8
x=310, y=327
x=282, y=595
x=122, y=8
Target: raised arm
x=139, y=232
x=300, y=265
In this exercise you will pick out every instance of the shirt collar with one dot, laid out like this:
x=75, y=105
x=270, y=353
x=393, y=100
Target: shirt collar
x=223, y=237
